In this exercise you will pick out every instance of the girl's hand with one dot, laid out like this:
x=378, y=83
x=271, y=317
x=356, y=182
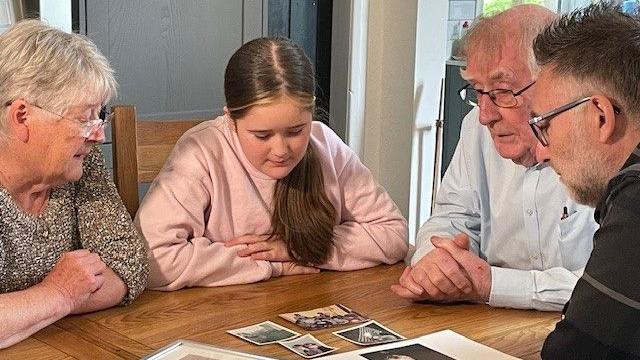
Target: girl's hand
x=260, y=247
x=290, y=268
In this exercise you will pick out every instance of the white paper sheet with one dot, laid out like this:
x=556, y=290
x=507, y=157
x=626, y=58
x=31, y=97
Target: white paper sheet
x=446, y=342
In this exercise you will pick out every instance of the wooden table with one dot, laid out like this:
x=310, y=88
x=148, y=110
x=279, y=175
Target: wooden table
x=204, y=314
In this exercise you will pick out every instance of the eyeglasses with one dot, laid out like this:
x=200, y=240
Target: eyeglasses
x=87, y=127
x=540, y=124
x=503, y=98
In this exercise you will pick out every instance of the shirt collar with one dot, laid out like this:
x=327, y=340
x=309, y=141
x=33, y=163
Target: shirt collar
x=631, y=165
x=633, y=159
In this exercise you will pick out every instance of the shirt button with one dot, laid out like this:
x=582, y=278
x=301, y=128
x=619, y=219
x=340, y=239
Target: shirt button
x=529, y=212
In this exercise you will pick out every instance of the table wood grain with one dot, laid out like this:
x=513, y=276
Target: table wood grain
x=205, y=314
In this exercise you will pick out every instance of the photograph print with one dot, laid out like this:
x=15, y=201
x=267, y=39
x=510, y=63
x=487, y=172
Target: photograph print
x=322, y=318
x=370, y=333
x=308, y=346
x=264, y=333
x=407, y=352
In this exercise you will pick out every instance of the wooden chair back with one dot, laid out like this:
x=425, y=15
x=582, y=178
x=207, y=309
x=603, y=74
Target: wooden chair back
x=140, y=149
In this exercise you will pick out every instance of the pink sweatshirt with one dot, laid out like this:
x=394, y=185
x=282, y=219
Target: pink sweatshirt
x=208, y=193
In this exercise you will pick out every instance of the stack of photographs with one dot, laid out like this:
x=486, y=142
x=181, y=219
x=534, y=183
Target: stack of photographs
x=268, y=332
x=367, y=332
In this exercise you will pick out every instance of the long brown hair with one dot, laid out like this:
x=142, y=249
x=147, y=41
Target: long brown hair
x=261, y=72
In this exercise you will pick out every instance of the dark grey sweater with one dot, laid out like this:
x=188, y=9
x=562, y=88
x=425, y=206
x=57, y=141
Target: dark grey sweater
x=602, y=318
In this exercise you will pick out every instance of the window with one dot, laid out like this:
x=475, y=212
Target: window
x=629, y=6
x=491, y=7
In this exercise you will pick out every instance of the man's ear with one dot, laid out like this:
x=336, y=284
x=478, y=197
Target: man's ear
x=17, y=120
x=607, y=117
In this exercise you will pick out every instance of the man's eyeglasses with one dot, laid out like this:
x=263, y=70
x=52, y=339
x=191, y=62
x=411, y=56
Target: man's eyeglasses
x=501, y=97
x=87, y=127
x=540, y=124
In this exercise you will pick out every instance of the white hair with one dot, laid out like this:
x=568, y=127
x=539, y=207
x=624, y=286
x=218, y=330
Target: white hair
x=51, y=68
x=516, y=27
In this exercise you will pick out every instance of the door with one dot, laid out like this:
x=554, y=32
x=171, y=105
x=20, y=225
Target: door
x=170, y=56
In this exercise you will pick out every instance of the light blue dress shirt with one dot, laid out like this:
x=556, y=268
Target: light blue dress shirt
x=514, y=218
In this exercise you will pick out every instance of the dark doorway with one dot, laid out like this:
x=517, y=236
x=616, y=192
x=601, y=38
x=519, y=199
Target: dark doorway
x=308, y=23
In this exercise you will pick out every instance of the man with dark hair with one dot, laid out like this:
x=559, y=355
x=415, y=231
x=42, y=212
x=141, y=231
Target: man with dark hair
x=586, y=116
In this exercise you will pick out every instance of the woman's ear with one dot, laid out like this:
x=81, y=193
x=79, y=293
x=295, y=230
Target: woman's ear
x=17, y=120
x=607, y=117
x=226, y=110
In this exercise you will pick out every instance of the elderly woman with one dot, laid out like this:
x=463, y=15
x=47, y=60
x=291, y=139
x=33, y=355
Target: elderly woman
x=67, y=244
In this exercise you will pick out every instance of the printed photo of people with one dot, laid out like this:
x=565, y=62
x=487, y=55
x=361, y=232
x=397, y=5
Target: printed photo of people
x=308, y=346
x=409, y=352
x=322, y=318
x=264, y=333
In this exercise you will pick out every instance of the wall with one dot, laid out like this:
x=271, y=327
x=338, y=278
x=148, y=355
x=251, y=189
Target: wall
x=350, y=24
x=405, y=54
x=431, y=52
x=170, y=56
x=388, y=113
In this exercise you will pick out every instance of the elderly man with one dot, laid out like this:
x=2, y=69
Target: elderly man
x=518, y=241
x=587, y=118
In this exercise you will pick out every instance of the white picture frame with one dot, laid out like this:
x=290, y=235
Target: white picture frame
x=191, y=350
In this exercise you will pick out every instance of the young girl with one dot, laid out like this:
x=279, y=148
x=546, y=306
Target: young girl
x=265, y=191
